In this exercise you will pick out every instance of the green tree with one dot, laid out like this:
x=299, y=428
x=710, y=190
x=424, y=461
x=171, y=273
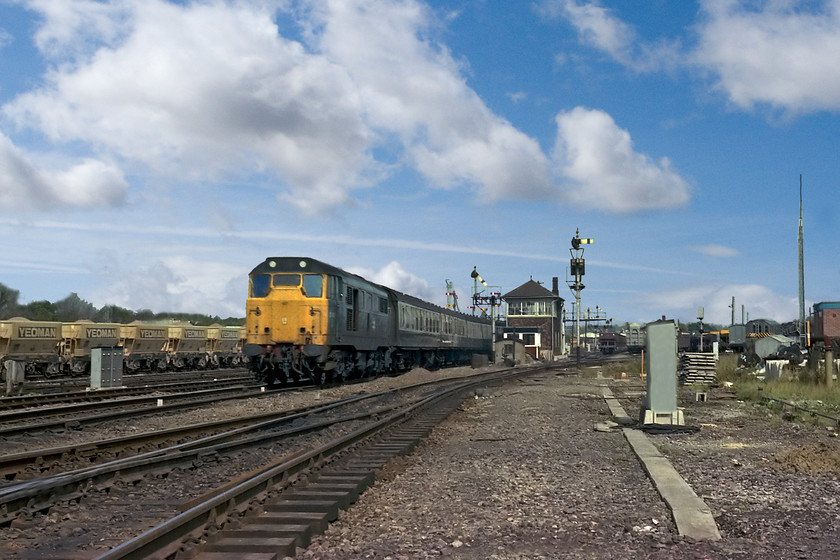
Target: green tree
x=145, y=315
x=9, y=306
x=40, y=311
x=115, y=314
x=74, y=308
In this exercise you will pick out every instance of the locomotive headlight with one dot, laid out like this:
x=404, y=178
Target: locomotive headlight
x=272, y=264
x=302, y=264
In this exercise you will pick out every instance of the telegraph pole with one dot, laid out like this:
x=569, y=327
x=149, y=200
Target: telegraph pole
x=576, y=271
x=700, y=318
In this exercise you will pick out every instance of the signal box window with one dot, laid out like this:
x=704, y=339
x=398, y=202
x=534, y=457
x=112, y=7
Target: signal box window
x=260, y=284
x=313, y=285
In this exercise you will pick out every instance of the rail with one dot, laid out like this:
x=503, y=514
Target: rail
x=795, y=406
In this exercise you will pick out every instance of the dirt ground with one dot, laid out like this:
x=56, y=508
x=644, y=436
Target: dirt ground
x=521, y=473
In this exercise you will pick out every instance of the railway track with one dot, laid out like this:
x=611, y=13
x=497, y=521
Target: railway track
x=309, y=441
x=74, y=416
x=33, y=400
x=62, y=459
x=62, y=385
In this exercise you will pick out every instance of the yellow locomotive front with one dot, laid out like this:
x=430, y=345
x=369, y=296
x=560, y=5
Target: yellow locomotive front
x=286, y=321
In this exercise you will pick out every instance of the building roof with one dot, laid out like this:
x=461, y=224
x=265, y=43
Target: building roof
x=531, y=290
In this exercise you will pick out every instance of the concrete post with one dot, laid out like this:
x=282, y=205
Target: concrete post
x=15, y=373
x=829, y=367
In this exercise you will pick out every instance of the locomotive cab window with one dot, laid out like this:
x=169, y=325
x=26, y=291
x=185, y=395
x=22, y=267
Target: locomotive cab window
x=260, y=285
x=286, y=280
x=313, y=285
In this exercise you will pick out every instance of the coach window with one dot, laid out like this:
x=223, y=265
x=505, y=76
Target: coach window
x=313, y=285
x=260, y=284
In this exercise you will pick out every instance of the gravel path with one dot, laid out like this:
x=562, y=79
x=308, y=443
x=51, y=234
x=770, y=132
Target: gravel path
x=522, y=474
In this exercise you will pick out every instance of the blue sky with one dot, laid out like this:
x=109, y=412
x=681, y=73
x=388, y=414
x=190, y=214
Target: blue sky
x=153, y=152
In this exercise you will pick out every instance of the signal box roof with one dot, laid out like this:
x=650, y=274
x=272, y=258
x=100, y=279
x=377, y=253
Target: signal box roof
x=531, y=290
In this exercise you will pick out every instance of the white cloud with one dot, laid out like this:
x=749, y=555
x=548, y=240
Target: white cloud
x=89, y=183
x=605, y=172
x=776, y=52
x=714, y=250
x=75, y=27
x=411, y=87
x=171, y=284
x=211, y=91
x=759, y=301
x=208, y=90
x=597, y=25
x=199, y=92
x=6, y=38
x=394, y=276
x=782, y=52
x=600, y=28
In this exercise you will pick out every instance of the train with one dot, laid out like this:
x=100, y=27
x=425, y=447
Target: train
x=612, y=342
x=53, y=349
x=636, y=338
x=309, y=321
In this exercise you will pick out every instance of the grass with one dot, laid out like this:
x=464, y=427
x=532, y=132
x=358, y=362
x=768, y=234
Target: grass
x=803, y=389
x=799, y=386
x=631, y=366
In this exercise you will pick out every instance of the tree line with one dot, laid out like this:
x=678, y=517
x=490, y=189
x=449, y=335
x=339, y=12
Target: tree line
x=73, y=308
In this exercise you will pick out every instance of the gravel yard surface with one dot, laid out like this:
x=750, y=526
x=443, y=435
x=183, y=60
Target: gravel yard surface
x=520, y=473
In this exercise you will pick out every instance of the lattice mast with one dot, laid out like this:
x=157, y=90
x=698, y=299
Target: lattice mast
x=484, y=298
x=451, y=296
x=801, y=243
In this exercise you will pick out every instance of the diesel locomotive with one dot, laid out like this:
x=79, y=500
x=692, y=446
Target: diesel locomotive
x=309, y=321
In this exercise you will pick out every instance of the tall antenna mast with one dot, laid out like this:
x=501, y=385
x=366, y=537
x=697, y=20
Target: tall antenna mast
x=802, y=334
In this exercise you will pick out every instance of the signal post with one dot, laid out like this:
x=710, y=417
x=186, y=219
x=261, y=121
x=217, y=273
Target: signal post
x=577, y=269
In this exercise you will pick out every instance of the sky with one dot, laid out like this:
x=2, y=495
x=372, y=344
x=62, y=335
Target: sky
x=153, y=152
